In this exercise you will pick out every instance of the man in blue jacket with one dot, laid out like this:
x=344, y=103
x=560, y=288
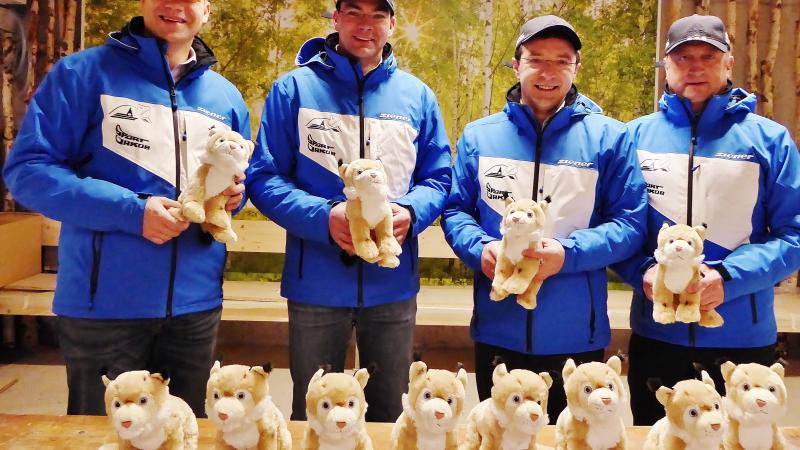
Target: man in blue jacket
x=709, y=159
x=109, y=139
x=348, y=100
x=549, y=141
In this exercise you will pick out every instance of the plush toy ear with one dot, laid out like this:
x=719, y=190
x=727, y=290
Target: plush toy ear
x=362, y=376
x=259, y=370
x=569, y=368
x=215, y=368
x=317, y=376
x=106, y=381
x=664, y=394
x=778, y=368
x=548, y=380
x=461, y=376
x=664, y=226
x=508, y=200
x=342, y=169
x=500, y=371
x=707, y=379
x=160, y=378
x=544, y=204
x=727, y=369
x=615, y=363
x=417, y=368
x=701, y=231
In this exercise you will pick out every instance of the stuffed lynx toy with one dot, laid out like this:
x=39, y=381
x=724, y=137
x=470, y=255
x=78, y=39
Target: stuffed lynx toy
x=335, y=407
x=367, y=210
x=694, y=418
x=521, y=227
x=431, y=409
x=513, y=415
x=145, y=415
x=679, y=255
x=238, y=403
x=595, y=399
x=755, y=399
x=202, y=202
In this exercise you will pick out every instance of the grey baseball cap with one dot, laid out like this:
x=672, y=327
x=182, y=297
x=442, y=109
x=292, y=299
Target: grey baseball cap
x=389, y=3
x=697, y=28
x=549, y=26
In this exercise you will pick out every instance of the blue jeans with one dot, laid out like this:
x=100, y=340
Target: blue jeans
x=180, y=347
x=319, y=336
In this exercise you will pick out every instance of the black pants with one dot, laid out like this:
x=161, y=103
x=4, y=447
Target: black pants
x=181, y=346
x=557, y=400
x=671, y=363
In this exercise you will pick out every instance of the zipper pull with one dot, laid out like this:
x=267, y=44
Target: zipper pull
x=173, y=96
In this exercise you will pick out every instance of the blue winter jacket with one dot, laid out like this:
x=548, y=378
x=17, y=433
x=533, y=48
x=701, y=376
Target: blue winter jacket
x=745, y=187
x=327, y=111
x=106, y=129
x=597, y=213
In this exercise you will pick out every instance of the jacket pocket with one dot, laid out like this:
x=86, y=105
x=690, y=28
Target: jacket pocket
x=97, y=250
x=300, y=259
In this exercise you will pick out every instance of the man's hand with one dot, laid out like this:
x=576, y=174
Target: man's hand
x=235, y=193
x=648, y=280
x=401, y=221
x=489, y=258
x=339, y=228
x=551, y=255
x=710, y=287
x=159, y=225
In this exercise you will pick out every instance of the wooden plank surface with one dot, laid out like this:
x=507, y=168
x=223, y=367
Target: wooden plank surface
x=26, y=432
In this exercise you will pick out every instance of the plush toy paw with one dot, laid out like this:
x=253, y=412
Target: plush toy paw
x=389, y=261
x=710, y=319
x=665, y=315
x=526, y=300
x=226, y=236
x=367, y=250
x=194, y=212
x=687, y=313
x=516, y=285
x=390, y=246
x=219, y=218
x=498, y=293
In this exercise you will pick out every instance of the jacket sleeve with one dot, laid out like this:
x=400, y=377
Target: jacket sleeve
x=270, y=182
x=459, y=221
x=40, y=169
x=754, y=267
x=621, y=207
x=431, y=178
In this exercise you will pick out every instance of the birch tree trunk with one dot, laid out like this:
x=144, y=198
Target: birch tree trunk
x=731, y=26
x=7, y=38
x=488, y=46
x=769, y=62
x=528, y=9
x=702, y=6
x=674, y=10
x=51, y=35
x=33, y=40
x=68, y=46
x=752, y=46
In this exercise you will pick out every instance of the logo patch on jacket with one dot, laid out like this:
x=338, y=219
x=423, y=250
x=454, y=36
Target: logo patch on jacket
x=129, y=140
x=569, y=162
x=501, y=171
x=212, y=114
x=733, y=156
x=319, y=147
x=324, y=124
x=131, y=112
x=496, y=194
x=653, y=164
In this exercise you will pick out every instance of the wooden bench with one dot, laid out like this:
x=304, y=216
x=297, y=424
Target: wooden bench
x=261, y=301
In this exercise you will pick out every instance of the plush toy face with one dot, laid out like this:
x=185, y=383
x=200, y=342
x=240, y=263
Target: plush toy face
x=694, y=408
x=363, y=177
x=133, y=401
x=227, y=147
x=436, y=397
x=755, y=394
x=235, y=395
x=523, y=217
x=521, y=396
x=680, y=244
x=594, y=389
x=335, y=403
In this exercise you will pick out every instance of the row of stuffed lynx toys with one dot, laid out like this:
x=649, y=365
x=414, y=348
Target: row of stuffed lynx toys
x=147, y=417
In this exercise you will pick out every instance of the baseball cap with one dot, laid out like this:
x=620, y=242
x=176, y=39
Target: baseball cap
x=697, y=28
x=389, y=3
x=553, y=25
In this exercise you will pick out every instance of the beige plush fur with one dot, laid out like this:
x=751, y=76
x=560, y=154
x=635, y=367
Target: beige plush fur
x=202, y=201
x=431, y=409
x=238, y=403
x=755, y=399
x=335, y=407
x=679, y=255
x=694, y=418
x=368, y=210
x=145, y=415
x=596, y=398
x=522, y=225
x=513, y=415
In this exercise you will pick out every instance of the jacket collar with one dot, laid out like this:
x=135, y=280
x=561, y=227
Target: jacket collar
x=321, y=54
x=575, y=105
x=151, y=51
x=733, y=101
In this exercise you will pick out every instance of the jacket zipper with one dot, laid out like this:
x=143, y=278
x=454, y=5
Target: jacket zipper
x=592, y=312
x=300, y=265
x=535, y=197
x=753, y=308
x=694, y=118
x=360, y=82
x=97, y=246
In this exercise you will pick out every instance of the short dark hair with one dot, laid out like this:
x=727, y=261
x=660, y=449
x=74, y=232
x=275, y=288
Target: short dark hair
x=383, y=7
x=544, y=35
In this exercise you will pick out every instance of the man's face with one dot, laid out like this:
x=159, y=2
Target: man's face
x=175, y=21
x=546, y=70
x=697, y=71
x=364, y=26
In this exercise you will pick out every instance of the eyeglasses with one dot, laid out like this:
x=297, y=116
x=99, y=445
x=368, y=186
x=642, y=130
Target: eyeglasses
x=541, y=63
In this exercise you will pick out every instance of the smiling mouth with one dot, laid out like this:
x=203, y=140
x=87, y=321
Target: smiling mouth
x=545, y=87
x=172, y=19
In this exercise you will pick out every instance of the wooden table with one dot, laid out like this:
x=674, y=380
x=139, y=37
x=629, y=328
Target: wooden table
x=29, y=432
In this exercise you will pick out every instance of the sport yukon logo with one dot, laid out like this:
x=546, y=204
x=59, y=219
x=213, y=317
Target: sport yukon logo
x=319, y=147
x=496, y=194
x=324, y=124
x=124, y=138
x=131, y=112
x=652, y=165
x=501, y=171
